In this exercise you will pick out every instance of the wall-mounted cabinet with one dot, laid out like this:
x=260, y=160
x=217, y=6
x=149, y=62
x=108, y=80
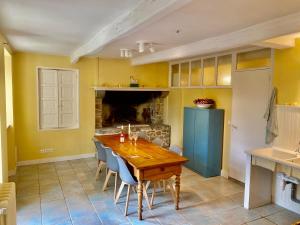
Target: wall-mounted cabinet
x=209, y=71
x=175, y=75
x=215, y=71
x=184, y=74
x=202, y=72
x=196, y=73
x=257, y=59
x=224, y=65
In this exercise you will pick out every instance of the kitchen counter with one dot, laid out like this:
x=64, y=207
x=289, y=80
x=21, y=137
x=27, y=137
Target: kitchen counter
x=277, y=155
x=265, y=168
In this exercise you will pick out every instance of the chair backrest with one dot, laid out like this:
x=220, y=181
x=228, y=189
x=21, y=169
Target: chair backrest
x=101, y=155
x=158, y=141
x=176, y=149
x=111, y=161
x=124, y=172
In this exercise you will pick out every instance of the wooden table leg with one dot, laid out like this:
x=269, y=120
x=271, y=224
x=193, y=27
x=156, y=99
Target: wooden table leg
x=140, y=199
x=177, y=189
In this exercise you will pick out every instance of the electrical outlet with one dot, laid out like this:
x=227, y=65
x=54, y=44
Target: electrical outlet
x=46, y=150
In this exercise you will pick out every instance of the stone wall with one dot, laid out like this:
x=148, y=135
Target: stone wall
x=157, y=110
x=98, y=112
x=161, y=131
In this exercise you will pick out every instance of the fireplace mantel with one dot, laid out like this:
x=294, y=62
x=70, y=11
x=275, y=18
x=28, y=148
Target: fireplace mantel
x=130, y=89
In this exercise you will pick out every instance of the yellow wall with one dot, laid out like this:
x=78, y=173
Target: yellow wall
x=287, y=74
x=29, y=140
x=179, y=98
x=114, y=72
x=3, y=131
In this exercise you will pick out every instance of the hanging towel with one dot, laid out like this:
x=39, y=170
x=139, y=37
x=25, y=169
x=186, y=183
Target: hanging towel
x=271, y=117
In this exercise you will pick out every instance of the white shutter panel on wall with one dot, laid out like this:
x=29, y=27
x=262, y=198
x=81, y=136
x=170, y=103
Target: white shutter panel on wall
x=48, y=93
x=68, y=109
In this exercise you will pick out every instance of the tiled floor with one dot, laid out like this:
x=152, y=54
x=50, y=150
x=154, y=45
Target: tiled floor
x=66, y=193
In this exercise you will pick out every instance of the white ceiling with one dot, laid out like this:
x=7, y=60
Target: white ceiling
x=56, y=26
x=62, y=26
x=202, y=19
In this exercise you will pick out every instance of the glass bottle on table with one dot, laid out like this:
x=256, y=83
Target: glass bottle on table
x=122, y=136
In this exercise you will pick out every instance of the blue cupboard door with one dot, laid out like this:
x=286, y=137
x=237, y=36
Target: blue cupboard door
x=215, y=142
x=201, y=140
x=188, y=136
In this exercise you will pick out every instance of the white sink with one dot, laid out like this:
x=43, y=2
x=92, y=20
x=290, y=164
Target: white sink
x=277, y=154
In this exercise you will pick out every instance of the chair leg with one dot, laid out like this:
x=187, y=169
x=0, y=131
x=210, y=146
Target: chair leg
x=119, y=192
x=148, y=184
x=127, y=200
x=133, y=189
x=100, y=164
x=171, y=189
x=153, y=193
x=106, y=180
x=115, y=189
x=146, y=196
x=98, y=171
x=164, y=185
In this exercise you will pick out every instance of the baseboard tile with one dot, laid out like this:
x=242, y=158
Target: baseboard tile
x=224, y=173
x=55, y=159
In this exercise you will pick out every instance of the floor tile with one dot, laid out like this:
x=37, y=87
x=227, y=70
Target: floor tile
x=112, y=216
x=284, y=218
x=55, y=212
x=67, y=193
x=262, y=221
x=268, y=210
x=29, y=218
x=236, y=216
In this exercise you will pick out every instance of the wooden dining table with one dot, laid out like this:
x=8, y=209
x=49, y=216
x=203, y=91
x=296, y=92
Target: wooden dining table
x=149, y=161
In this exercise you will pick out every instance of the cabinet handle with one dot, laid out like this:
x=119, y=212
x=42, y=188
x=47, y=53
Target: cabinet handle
x=234, y=127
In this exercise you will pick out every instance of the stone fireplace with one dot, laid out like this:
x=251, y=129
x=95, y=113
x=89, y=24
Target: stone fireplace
x=144, y=110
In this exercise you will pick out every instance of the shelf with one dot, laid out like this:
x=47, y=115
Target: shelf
x=204, y=87
x=130, y=89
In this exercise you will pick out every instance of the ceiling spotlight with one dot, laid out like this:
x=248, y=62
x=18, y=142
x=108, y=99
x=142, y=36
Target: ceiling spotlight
x=129, y=53
x=141, y=46
x=126, y=53
x=151, y=48
x=122, y=53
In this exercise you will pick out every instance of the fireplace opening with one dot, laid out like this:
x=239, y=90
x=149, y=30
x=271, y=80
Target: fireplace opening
x=123, y=107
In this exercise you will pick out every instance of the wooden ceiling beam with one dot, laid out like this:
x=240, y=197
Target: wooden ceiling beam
x=146, y=12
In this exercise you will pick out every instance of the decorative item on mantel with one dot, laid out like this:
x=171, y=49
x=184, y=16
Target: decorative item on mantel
x=204, y=103
x=133, y=82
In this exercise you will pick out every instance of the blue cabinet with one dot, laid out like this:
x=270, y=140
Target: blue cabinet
x=203, y=140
